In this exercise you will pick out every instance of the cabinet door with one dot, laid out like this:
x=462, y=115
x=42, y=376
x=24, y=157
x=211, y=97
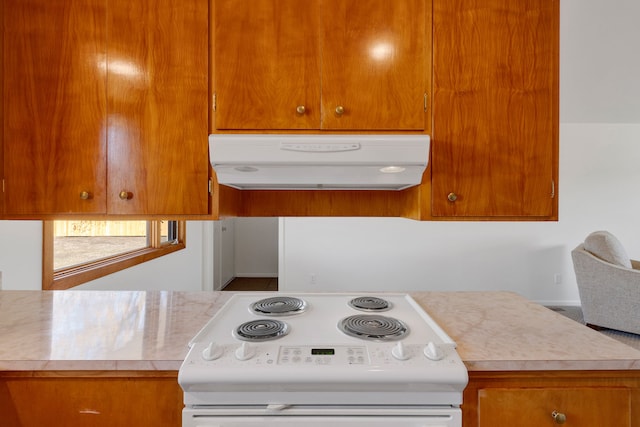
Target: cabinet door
x=374, y=56
x=267, y=70
x=495, y=107
x=157, y=104
x=54, y=106
x=96, y=402
x=587, y=407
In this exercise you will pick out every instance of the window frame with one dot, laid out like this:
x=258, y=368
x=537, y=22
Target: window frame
x=66, y=278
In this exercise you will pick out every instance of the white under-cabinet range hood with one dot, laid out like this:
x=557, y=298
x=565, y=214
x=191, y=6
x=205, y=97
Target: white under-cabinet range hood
x=319, y=162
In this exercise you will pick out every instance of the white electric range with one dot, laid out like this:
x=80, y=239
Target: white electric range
x=348, y=359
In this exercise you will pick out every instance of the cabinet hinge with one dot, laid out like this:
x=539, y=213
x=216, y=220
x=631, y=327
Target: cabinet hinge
x=214, y=100
x=553, y=189
x=210, y=186
x=425, y=102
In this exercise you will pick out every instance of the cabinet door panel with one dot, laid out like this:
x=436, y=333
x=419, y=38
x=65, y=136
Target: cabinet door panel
x=157, y=106
x=266, y=64
x=594, y=407
x=54, y=106
x=495, y=107
x=96, y=402
x=374, y=64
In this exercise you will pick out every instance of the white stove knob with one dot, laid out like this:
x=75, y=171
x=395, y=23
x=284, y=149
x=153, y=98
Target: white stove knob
x=400, y=352
x=245, y=352
x=433, y=352
x=212, y=352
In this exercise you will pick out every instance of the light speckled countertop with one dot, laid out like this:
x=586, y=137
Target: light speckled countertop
x=121, y=330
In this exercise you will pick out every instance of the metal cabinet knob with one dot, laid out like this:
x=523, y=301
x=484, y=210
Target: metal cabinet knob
x=559, y=417
x=339, y=110
x=124, y=195
x=85, y=195
x=300, y=109
x=452, y=197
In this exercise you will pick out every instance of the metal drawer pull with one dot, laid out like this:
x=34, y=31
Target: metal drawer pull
x=559, y=417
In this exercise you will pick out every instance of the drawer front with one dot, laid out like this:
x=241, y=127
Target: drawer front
x=579, y=407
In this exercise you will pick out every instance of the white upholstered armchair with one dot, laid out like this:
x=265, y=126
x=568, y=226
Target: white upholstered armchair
x=608, y=283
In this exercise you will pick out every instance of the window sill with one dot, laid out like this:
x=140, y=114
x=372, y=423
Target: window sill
x=74, y=276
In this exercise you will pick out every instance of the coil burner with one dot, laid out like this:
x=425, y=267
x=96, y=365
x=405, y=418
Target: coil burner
x=370, y=304
x=373, y=327
x=279, y=306
x=261, y=330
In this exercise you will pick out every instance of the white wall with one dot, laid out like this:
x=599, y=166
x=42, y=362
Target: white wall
x=599, y=177
x=256, y=247
x=599, y=63
x=21, y=254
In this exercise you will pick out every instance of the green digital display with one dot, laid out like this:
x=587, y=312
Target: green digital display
x=323, y=351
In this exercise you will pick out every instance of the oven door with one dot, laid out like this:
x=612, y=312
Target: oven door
x=319, y=416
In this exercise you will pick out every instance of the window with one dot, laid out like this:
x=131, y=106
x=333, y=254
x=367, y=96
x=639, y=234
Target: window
x=77, y=251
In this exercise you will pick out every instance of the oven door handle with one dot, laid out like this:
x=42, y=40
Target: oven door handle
x=277, y=407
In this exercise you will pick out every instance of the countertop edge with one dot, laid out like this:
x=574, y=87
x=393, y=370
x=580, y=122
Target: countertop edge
x=92, y=366
x=552, y=365
x=535, y=339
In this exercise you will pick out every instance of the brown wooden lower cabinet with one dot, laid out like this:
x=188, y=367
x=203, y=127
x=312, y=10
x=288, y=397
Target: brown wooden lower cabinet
x=539, y=407
x=97, y=399
x=154, y=398
x=550, y=398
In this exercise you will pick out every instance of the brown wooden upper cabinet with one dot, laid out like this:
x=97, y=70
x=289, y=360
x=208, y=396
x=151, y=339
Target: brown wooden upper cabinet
x=54, y=106
x=322, y=65
x=105, y=107
x=495, y=108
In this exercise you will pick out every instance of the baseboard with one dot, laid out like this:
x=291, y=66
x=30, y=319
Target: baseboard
x=556, y=303
x=257, y=275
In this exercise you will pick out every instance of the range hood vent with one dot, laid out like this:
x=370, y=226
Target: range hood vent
x=319, y=162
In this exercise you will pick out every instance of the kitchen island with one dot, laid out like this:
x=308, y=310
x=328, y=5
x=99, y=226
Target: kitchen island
x=111, y=358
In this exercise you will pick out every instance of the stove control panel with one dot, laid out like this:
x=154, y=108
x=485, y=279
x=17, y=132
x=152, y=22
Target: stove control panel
x=380, y=354
x=311, y=355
